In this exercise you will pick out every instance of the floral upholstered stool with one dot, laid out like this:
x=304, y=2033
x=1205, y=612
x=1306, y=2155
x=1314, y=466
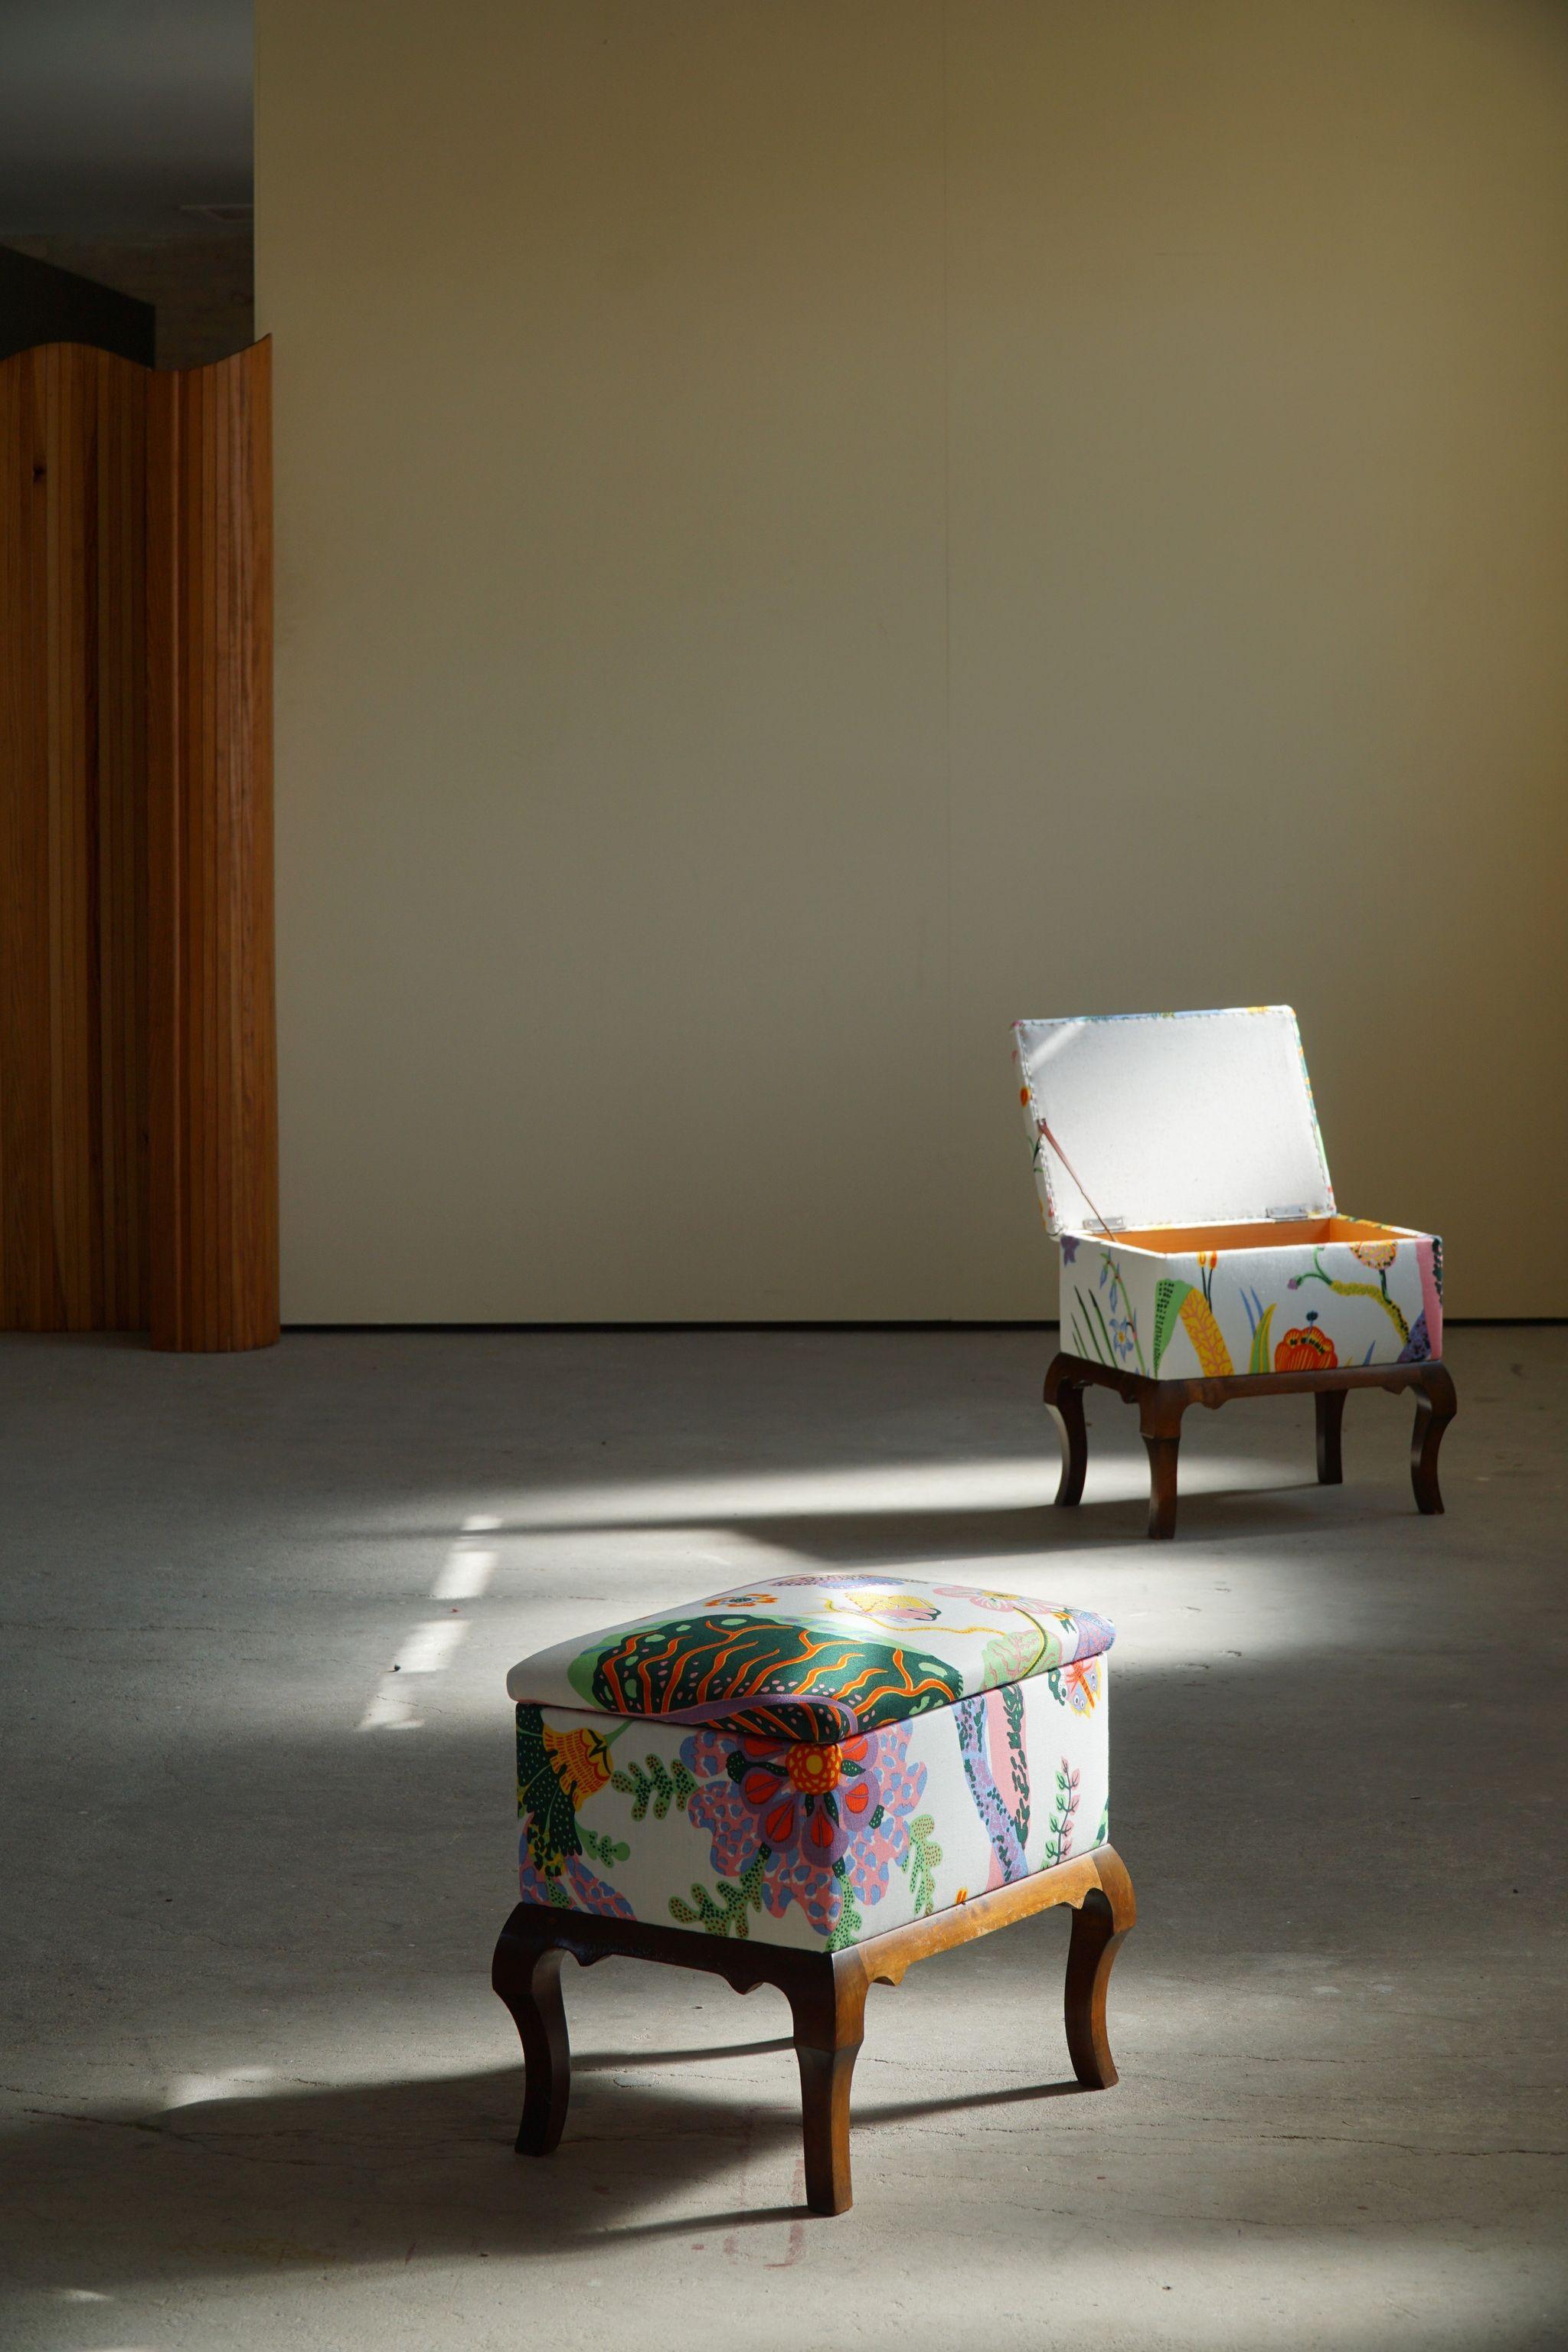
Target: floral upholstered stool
x=811, y=1785
x=1211, y=1262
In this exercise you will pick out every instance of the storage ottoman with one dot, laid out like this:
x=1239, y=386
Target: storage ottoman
x=1179, y=1164
x=811, y=1783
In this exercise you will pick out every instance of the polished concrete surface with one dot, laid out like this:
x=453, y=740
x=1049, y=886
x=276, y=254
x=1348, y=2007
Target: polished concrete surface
x=258, y=2094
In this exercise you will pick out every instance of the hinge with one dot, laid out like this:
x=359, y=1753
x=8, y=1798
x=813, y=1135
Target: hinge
x=1293, y=1215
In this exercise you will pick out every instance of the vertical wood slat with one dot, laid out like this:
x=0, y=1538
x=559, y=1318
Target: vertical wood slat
x=213, y=1062
x=73, y=1143
x=138, y=1125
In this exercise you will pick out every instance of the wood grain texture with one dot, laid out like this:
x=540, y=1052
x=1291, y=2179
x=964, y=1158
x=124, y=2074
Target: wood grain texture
x=73, y=905
x=826, y=1990
x=138, y=1125
x=1161, y=1403
x=214, y=1117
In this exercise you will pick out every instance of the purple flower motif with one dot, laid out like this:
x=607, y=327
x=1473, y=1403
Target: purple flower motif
x=1069, y=1248
x=1417, y=1349
x=813, y=1809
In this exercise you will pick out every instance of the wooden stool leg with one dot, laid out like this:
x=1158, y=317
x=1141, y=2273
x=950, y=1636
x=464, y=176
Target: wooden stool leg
x=527, y=1976
x=1159, y=1422
x=1098, y=1927
x=1331, y=1407
x=1436, y=1405
x=828, y=1998
x=1064, y=1402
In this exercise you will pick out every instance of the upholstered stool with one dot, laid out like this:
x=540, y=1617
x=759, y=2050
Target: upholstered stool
x=811, y=1783
x=1212, y=1263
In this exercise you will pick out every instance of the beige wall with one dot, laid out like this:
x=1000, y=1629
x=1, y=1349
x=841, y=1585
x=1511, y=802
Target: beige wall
x=806, y=530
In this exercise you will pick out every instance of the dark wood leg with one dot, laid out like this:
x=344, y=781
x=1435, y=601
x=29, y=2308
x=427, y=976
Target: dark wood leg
x=1330, y=1406
x=828, y=1998
x=1160, y=1420
x=526, y=1973
x=825, y=1992
x=1097, y=1927
x=1436, y=1405
x=1064, y=1402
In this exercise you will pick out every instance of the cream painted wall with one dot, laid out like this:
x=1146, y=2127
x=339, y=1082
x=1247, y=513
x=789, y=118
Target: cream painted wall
x=805, y=530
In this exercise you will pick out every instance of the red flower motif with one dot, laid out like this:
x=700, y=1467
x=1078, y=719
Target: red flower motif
x=823, y=1810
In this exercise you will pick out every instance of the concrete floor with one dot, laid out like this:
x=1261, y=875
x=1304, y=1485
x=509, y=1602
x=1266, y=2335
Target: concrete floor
x=260, y=2094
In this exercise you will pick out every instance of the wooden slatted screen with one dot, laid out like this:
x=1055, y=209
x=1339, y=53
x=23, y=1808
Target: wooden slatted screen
x=138, y=1137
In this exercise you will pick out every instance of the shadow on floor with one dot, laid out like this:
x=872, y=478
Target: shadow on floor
x=373, y=2175
x=909, y=1538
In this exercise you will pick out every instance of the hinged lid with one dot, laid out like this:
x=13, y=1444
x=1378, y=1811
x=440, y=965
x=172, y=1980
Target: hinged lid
x=1173, y=1119
x=811, y=1657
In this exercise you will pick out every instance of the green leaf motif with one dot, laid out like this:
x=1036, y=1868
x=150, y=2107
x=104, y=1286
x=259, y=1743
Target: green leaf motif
x=549, y=1815
x=1170, y=1297
x=849, y=1923
x=659, y=1787
x=919, y=1862
x=726, y=1917
x=1259, y=1359
x=1019, y=1758
x=1022, y=1650
x=606, y=1851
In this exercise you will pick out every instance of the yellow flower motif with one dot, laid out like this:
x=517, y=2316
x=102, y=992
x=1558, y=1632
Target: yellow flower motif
x=815, y=1768
x=1377, y=1255
x=582, y=1761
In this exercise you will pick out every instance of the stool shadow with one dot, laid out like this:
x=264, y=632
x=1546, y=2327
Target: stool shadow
x=895, y=2111
x=911, y=1541
x=612, y=2062
x=379, y=2174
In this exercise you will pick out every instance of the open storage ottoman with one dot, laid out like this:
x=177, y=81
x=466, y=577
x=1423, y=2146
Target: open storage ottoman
x=811, y=1782
x=1179, y=1164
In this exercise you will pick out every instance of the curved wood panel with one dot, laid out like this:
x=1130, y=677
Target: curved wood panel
x=73, y=900
x=137, y=1122
x=213, y=1119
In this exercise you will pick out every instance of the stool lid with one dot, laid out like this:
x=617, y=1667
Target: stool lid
x=1172, y=1118
x=812, y=1657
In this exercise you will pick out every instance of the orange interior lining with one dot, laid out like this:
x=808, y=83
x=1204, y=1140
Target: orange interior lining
x=1284, y=1234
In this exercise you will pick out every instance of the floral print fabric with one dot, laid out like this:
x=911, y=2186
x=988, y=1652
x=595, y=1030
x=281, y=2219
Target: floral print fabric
x=812, y=1659
x=811, y=1843
x=1302, y=1307
x=833, y=1818
x=1208, y=1098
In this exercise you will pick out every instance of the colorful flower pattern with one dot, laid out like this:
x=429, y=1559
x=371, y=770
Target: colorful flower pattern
x=810, y=1658
x=1213, y=1313
x=817, y=1843
x=1208, y=1311
x=823, y=1816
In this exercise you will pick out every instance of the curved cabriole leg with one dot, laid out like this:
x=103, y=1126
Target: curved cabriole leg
x=527, y=1975
x=1097, y=1927
x=1331, y=1409
x=1064, y=1402
x=1436, y=1405
x=828, y=2001
x=1160, y=1422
